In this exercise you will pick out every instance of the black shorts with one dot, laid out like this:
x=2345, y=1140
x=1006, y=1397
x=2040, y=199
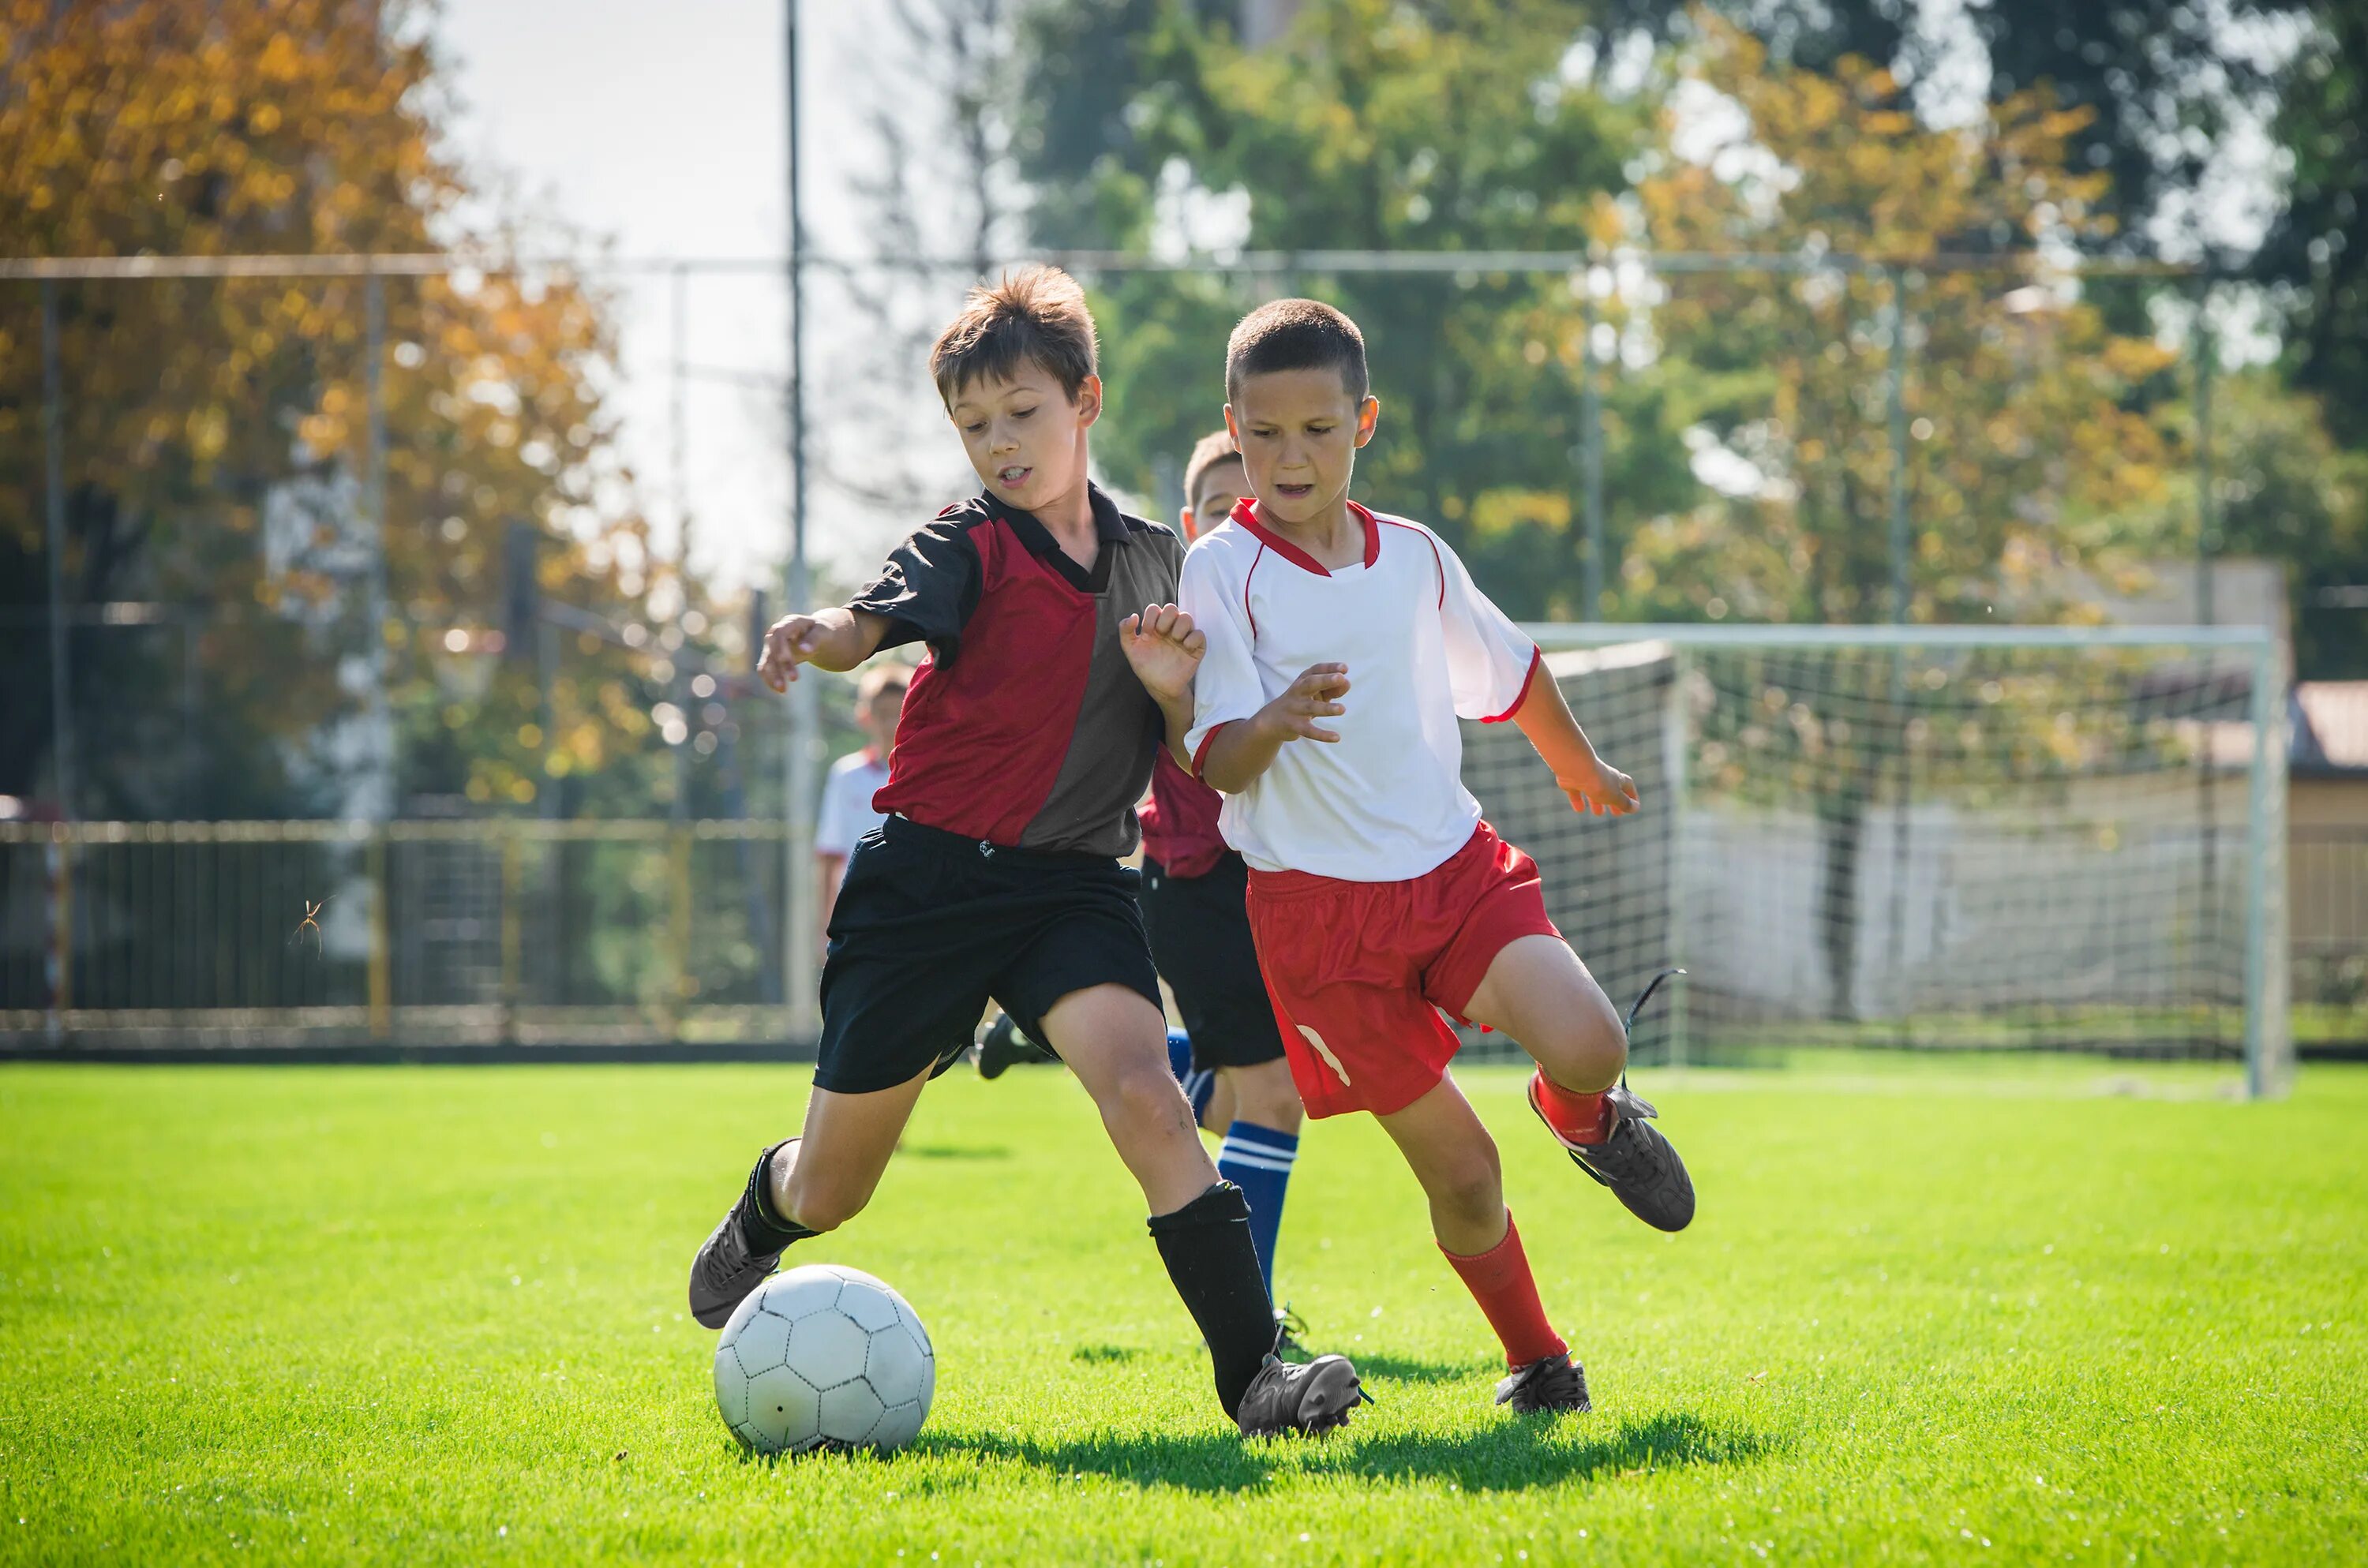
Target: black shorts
x=1201, y=940
x=929, y=925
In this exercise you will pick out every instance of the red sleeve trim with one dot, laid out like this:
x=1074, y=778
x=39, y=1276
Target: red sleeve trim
x=1201, y=752
x=1537, y=657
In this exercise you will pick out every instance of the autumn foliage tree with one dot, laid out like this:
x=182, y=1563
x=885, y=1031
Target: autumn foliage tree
x=215, y=429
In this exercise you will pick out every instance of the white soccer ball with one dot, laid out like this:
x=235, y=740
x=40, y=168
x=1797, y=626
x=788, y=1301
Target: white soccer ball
x=825, y=1356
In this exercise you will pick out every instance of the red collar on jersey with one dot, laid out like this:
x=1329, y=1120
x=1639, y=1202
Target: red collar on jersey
x=1245, y=514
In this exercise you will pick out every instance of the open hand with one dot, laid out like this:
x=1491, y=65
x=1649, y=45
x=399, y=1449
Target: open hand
x=1164, y=647
x=788, y=643
x=1598, y=789
x=1316, y=694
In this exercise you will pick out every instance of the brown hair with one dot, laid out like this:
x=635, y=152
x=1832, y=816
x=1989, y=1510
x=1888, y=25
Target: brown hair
x=881, y=677
x=1297, y=334
x=1035, y=314
x=1207, y=454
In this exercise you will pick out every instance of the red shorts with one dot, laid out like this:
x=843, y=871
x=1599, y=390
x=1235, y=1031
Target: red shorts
x=1358, y=971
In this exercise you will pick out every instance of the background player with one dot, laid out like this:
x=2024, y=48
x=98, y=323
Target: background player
x=1020, y=751
x=1193, y=892
x=847, y=812
x=1377, y=895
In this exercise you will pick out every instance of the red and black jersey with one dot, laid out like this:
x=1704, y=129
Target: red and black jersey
x=1180, y=830
x=1026, y=727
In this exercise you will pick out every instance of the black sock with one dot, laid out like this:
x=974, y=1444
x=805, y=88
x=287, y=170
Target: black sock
x=1209, y=1256
x=763, y=1230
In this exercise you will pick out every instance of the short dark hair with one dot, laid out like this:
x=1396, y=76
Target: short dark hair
x=1035, y=314
x=887, y=675
x=1297, y=334
x=1207, y=454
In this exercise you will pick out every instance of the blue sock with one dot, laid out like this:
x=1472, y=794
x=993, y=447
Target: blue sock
x=1257, y=1160
x=1198, y=1086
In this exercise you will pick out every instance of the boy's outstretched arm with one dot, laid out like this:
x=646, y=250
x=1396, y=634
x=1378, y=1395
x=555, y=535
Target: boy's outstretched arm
x=1235, y=755
x=1592, y=784
x=830, y=638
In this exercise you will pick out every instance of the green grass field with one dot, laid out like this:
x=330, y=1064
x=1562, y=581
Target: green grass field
x=418, y=1315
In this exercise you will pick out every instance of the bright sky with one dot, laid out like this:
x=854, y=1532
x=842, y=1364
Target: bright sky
x=666, y=137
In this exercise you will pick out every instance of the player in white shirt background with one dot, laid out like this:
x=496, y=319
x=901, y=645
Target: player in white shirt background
x=1342, y=646
x=847, y=814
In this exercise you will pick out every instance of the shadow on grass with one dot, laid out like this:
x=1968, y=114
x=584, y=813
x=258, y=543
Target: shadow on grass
x=1516, y=1456
x=1406, y=1369
x=1528, y=1452
x=1104, y=1353
x=955, y=1152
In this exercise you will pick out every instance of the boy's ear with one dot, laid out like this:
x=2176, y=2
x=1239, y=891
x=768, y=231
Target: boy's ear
x=1184, y=521
x=1368, y=412
x=1235, y=431
x=1088, y=401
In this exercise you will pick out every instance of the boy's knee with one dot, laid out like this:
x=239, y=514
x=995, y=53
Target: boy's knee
x=1473, y=1184
x=1146, y=1099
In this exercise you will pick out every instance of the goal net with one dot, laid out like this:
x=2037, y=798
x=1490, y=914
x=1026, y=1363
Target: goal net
x=1960, y=839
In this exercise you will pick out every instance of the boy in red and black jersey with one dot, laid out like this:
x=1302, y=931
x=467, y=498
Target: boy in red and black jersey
x=1058, y=663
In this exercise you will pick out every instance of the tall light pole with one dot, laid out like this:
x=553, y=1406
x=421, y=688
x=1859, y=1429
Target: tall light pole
x=801, y=940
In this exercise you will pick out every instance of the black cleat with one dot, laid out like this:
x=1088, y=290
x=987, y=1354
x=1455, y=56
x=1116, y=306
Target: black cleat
x=728, y=1267
x=1003, y=1046
x=1309, y=1400
x=1555, y=1383
x=1638, y=1164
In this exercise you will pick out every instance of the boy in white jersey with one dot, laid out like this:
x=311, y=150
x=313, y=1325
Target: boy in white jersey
x=1377, y=895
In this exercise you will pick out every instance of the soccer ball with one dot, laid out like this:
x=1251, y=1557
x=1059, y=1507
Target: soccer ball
x=823, y=1356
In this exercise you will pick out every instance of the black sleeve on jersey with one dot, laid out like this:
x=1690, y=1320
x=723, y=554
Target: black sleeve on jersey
x=929, y=587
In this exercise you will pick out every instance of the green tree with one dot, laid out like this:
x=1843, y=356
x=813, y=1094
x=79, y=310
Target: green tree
x=215, y=429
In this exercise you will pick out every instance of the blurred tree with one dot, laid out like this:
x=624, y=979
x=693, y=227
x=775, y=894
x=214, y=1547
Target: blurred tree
x=2316, y=246
x=215, y=431
x=1448, y=126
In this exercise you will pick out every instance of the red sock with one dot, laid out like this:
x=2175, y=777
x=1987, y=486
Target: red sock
x=1582, y=1118
x=1500, y=1281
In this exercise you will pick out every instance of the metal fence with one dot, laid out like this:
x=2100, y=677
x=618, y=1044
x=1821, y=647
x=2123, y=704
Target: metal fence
x=130, y=935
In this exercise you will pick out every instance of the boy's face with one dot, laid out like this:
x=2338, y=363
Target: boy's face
x=1025, y=440
x=1222, y=486
x=1299, y=432
x=877, y=718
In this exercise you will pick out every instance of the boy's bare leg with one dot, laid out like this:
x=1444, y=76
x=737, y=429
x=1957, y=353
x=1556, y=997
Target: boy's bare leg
x=1218, y=1114
x=1537, y=993
x=1116, y=1043
x=824, y=1179
x=1263, y=1094
x=1455, y=1160
x=1452, y=1156
x=812, y=1183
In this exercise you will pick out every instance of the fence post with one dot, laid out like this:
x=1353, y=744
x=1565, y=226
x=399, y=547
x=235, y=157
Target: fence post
x=1902, y=546
x=681, y=984
x=1673, y=764
x=513, y=924
x=380, y=970
x=54, y=506
x=61, y=954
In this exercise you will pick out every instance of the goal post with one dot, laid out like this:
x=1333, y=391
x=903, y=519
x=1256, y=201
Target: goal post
x=1942, y=838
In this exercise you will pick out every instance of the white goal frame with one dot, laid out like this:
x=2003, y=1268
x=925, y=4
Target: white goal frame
x=2267, y=1045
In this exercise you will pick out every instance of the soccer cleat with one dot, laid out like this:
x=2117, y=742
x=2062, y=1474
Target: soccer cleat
x=1555, y=1383
x=1638, y=1164
x=1003, y=1046
x=1309, y=1400
x=1289, y=1326
x=728, y=1267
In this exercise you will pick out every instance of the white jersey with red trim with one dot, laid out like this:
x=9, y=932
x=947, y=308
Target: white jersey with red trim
x=1385, y=802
